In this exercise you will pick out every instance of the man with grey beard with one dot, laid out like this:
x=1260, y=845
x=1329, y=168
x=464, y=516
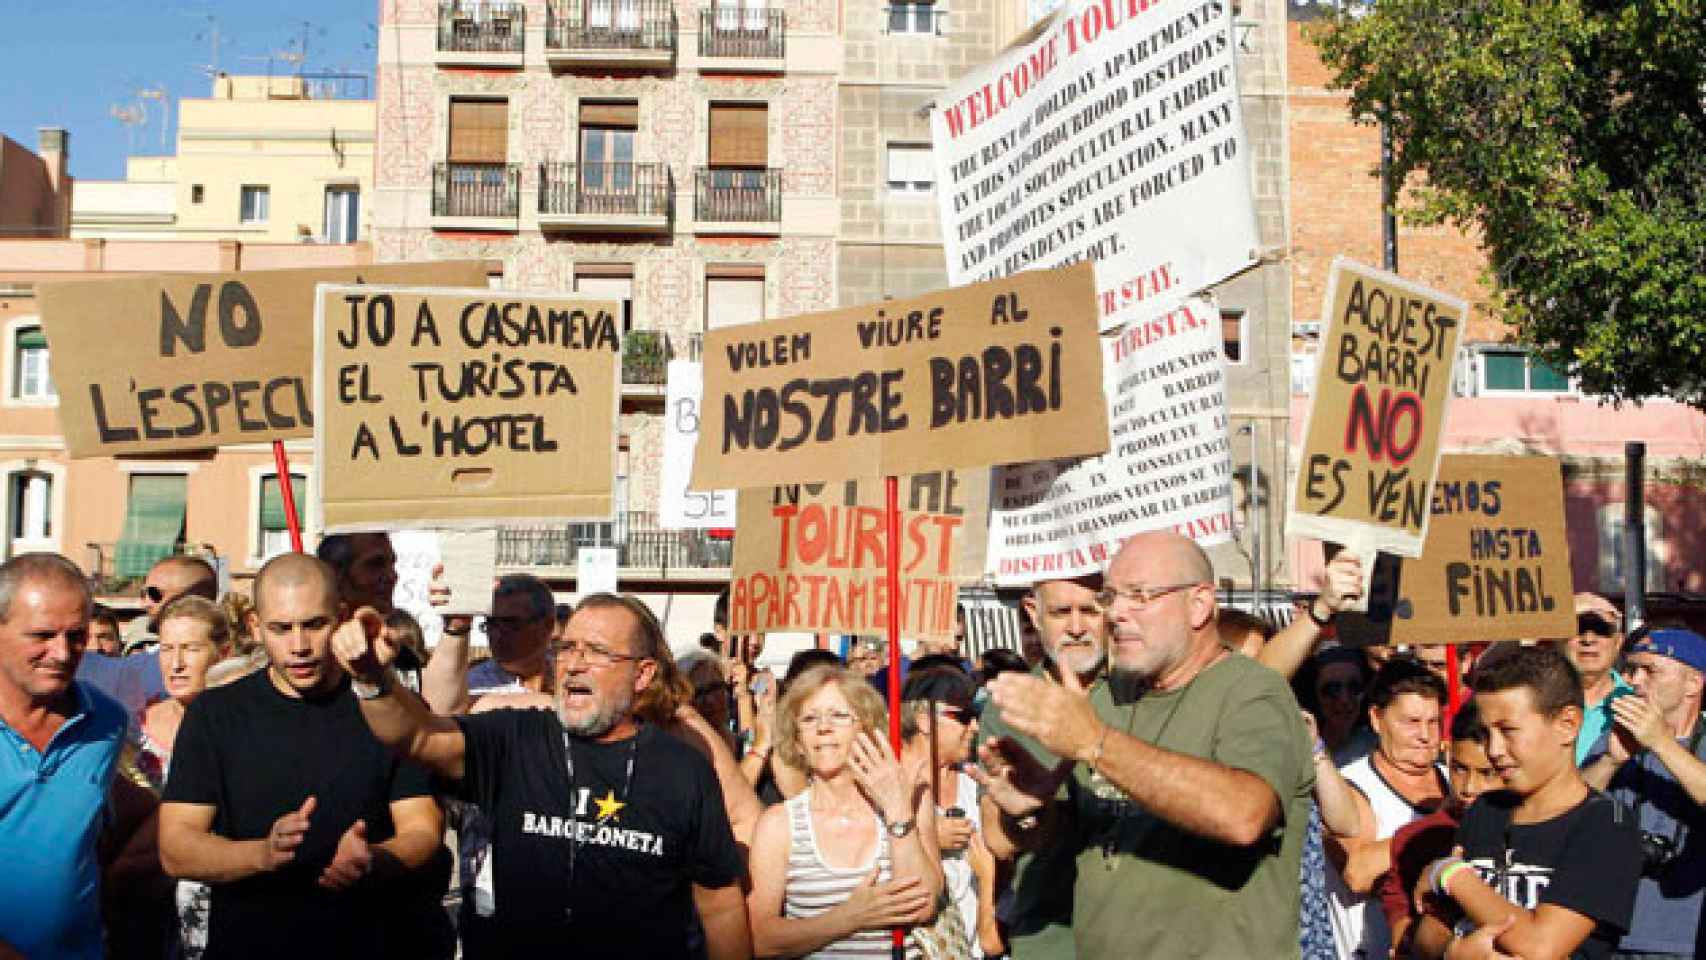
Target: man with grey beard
x=1189, y=774
x=608, y=833
x=1036, y=910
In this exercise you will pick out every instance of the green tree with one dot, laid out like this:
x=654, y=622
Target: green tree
x=1571, y=134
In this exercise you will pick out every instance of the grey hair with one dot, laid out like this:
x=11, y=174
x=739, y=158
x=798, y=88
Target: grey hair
x=694, y=659
x=541, y=605
x=28, y=567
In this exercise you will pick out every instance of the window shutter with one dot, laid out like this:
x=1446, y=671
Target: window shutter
x=479, y=131
x=621, y=116
x=740, y=135
x=31, y=338
x=273, y=516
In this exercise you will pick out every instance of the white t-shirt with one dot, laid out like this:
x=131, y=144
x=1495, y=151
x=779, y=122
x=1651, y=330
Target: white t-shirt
x=957, y=873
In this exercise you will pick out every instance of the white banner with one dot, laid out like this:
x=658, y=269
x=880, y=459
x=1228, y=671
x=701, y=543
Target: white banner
x=1170, y=466
x=680, y=508
x=595, y=570
x=1115, y=135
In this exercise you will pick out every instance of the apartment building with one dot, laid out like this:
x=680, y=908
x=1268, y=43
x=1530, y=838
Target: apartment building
x=263, y=159
x=35, y=185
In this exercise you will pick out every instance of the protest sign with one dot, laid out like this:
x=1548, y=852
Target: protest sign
x=461, y=407
x=992, y=373
x=470, y=562
x=679, y=507
x=1371, y=444
x=164, y=363
x=1113, y=135
x=595, y=570
x=1169, y=467
x=1495, y=565
x=814, y=557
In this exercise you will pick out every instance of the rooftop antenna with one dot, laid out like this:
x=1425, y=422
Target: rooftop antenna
x=158, y=92
x=210, y=33
x=130, y=116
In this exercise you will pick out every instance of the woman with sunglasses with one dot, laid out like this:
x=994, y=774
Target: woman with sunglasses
x=840, y=864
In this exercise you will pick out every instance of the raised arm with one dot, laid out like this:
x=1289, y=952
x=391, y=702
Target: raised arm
x=444, y=680
x=1340, y=586
x=397, y=717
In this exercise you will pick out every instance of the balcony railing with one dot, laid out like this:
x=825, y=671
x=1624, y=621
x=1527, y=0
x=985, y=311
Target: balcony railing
x=476, y=190
x=747, y=33
x=736, y=195
x=645, y=357
x=639, y=190
x=615, y=25
x=481, y=26
x=635, y=534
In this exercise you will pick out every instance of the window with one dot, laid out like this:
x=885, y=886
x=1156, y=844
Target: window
x=919, y=18
x=607, y=146
x=479, y=131
x=910, y=168
x=153, y=522
x=272, y=522
x=1514, y=371
x=622, y=15
x=1302, y=374
x=30, y=379
x=608, y=282
x=29, y=504
x=740, y=135
x=1611, y=527
x=196, y=193
x=733, y=296
x=741, y=14
x=343, y=213
x=254, y=204
x=1233, y=334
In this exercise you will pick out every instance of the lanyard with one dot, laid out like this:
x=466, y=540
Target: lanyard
x=575, y=803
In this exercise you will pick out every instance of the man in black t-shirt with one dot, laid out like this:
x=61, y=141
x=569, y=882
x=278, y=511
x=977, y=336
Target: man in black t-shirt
x=1547, y=866
x=282, y=800
x=607, y=833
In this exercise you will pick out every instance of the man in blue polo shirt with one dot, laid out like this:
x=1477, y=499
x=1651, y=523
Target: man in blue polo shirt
x=59, y=745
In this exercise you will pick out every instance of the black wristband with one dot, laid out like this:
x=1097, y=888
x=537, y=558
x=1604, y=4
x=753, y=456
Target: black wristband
x=1319, y=622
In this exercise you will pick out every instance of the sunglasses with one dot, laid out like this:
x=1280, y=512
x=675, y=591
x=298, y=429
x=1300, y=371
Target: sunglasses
x=1336, y=688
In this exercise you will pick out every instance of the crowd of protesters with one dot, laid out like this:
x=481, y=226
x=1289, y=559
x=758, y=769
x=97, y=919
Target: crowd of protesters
x=287, y=771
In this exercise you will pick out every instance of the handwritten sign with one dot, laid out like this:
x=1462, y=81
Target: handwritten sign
x=162, y=363
x=992, y=373
x=814, y=557
x=1495, y=566
x=1371, y=445
x=1169, y=467
x=1114, y=135
x=679, y=506
x=460, y=407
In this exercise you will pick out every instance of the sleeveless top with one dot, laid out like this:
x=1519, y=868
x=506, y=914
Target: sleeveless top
x=812, y=886
x=1360, y=931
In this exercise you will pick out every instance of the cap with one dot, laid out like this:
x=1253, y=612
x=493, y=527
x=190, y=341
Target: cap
x=1683, y=646
x=944, y=684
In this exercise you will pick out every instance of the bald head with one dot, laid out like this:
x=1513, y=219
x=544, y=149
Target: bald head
x=1161, y=556
x=289, y=571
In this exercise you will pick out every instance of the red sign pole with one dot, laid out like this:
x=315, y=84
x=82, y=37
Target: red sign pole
x=891, y=519
x=1454, y=684
x=282, y=464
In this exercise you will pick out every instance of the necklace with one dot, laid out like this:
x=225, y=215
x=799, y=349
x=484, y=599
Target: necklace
x=611, y=803
x=1127, y=809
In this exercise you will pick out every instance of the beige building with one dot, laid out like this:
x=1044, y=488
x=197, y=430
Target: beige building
x=263, y=160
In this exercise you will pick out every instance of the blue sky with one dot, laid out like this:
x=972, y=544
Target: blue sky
x=68, y=63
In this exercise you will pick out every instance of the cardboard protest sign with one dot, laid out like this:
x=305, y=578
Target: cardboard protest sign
x=993, y=373
x=595, y=570
x=1115, y=135
x=679, y=507
x=1495, y=565
x=1388, y=350
x=470, y=561
x=814, y=557
x=162, y=363
x=461, y=407
x=1170, y=465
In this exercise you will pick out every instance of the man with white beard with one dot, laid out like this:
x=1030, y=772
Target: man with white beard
x=608, y=833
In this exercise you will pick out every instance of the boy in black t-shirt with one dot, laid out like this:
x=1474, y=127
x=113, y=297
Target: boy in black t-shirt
x=1547, y=866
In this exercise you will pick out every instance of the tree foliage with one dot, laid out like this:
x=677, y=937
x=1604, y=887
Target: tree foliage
x=1572, y=135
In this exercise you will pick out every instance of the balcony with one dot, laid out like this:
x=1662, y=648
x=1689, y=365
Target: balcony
x=742, y=40
x=643, y=550
x=480, y=33
x=731, y=200
x=611, y=34
x=645, y=359
x=476, y=196
x=606, y=197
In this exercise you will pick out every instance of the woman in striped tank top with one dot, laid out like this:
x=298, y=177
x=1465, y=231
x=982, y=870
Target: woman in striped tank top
x=835, y=868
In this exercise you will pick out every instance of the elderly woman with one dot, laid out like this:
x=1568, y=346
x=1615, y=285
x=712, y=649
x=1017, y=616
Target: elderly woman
x=704, y=670
x=854, y=854
x=194, y=635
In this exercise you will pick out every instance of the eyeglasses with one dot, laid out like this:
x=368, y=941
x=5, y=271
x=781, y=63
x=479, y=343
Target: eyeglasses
x=957, y=714
x=1139, y=597
x=492, y=625
x=594, y=654
x=834, y=718
x=1336, y=688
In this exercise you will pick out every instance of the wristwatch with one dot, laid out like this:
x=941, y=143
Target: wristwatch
x=900, y=828
x=1322, y=622
x=365, y=690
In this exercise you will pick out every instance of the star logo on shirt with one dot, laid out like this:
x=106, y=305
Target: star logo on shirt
x=608, y=805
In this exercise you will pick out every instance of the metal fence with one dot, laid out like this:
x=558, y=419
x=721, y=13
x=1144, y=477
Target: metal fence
x=607, y=189
x=481, y=26
x=635, y=534
x=738, y=195
x=745, y=32
x=611, y=25
x=476, y=190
